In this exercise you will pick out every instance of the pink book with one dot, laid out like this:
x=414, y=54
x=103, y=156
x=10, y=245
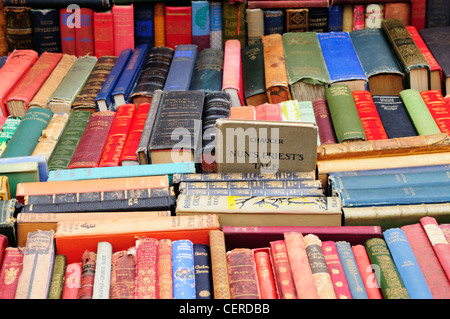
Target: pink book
x=11, y=269
x=445, y=228
x=123, y=22
x=283, y=272
x=72, y=279
x=366, y=271
x=268, y=112
x=232, y=70
x=336, y=271
x=265, y=274
x=146, y=268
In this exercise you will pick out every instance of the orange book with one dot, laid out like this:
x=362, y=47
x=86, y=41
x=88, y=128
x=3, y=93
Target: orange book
x=370, y=119
x=159, y=24
x=265, y=275
x=117, y=136
x=268, y=112
x=242, y=112
x=367, y=274
x=15, y=68
x=85, y=186
x=438, y=107
x=74, y=237
x=282, y=270
x=232, y=81
x=165, y=283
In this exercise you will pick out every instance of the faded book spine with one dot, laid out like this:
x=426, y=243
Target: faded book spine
x=219, y=265
x=242, y=274
x=57, y=280
x=164, y=274
x=102, y=276
x=72, y=278
x=282, y=269
x=51, y=135
x=89, y=259
x=10, y=272
x=123, y=274
x=336, y=270
x=264, y=272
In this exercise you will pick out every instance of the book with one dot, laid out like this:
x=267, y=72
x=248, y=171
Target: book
x=318, y=19
x=261, y=211
x=61, y=4
x=62, y=98
x=224, y=177
x=200, y=24
x=438, y=107
x=85, y=99
x=286, y=4
x=153, y=74
x=338, y=46
x=276, y=78
x=234, y=22
x=242, y=274
x=147, y=268
x=89, y=260
x=335, y=17
x=123, y=274
x=123, y=24
x=18, y=27
x=67, y=30
x=144, y=23
x=359, y=17
x=31, y=126
x=176, y=16
x=437, y=14
x=232, y=81
x=215, y=35
x=129, y=75
x=18, y=99
x=117, y=135
x=347, y=125
x=307, y=77
x=4, y=188
x=159, y=23
x=51, y=135
x=415, y=66
x=183, y=269
x=421, y=117
x=406, y=264
x=366, y=271
x=72, y=277
x=336, y=270
x=418, y=13
x=274, y=21
x=255, y=25
x=9, y=212
x=265, y=274
x=268, y=112
x=10, y=272
x=46, y=30
x=208, y=71
x=324, y=123
x=188, y=106
x=282, y=270
x=102, y=276
x=92, y=141
x=104, y=99
x=398, y=10
x=38, y=259
x=374, y=15
x=68, y=142
x=253, y=76
x=7, y=130
x=57, y=280
x=181, y=68
x=203, y=272
x=219, y=267
x=370, y=119
x=3, y=41
x=84, y=33
x=347, y=18
x=165, y=278
x=41, y=97
x=381, y=66
x=103, y=33
x=389, y=280
x=297, y=20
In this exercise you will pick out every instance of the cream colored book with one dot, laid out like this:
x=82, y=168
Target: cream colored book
x=51, y=135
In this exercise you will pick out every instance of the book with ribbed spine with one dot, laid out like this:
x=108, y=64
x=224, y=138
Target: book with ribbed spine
x=336, y=270
x=242, y=274
x=265, y=274
x=102, y=277
x=219, y=267
x=147, y=268
x=18, y=27
x=164, y=274
x=123, y=274
x=183, y=269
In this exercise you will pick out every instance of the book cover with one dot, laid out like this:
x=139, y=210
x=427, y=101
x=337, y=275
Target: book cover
x=370, y=119
x=318, y=19
x=265, y=274
x=84, y=33
x=57, y=280
x=297, y=20
x=232, y=81
x=335, y=17
x=181, y=68
x=255, y=25
x=51, y=136
x=89, y=259
x=437, y=14
x=160, y=25
x=438, y=107
x=7, y=131
x=203, y=272
x=72, y=277
x=164, y=274
x=418, y=13
x=123, y=274
x=324, y=123
x=144, y=26
x=8, y=214
x=67, y=30
x=103, y=33
x=178, y=25
x=359, y=17
x=46, y=30
x=183, y=271
x=234, y=22
x=215, y=35
x=274, y=21
x=123, y=23
x=219, y=264
x=102, y=276
x=242, y=274
x=208, y=70
x=335, y=268
x=18, y=27
x=11, y=270
x=200, y=24
x=282, y=270
x=253, y=75
x=147, y=268
x=366, y=271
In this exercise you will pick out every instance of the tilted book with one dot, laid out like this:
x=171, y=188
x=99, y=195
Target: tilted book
x=370, y=119
x=232, y=81
x=51, y=135
x=181, y=68
x=438, y=107
x=253, y=74
x=208, y=70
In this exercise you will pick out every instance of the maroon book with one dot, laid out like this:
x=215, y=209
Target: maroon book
x=123, y=274
x=323, y=120
x=3, y=245
x=10, y=272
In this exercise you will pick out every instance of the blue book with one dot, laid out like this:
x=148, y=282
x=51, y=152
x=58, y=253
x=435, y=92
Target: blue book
x=341, y=59
x=183, y=274
x=104, y=99
x=144, y=24
x=200, y=24
x=39, y=159
x=215, y=33
x=335, y=17
x=3, y=61
x=393, y=170
x=203, y=272
x=182, y=67
x=129, y=76
x=354, y=279
x=274, y=21
x=122, y=171
x=406, y=264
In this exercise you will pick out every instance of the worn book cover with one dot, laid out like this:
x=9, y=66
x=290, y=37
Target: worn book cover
x=51, y=135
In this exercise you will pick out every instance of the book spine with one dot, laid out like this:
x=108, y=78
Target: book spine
x=297, y=20
x=318, y=20
x=374, y=15
x=102, y=277
x=51, y=135
x=181, y=68
x=336, y=270
x=103, y=34
x=203, y=276
x=175, y=16
x=123, y=21
x=390, y=282
x=219, y=268
x=183, y=271
x=232, y=70
x=88, y=260
x=242, y=274
x=438, y=107
x=147, y=268
x=8, y=129
x=46, y=30
x=19, y=31
x=324, y=123
x=144, y=24
x=366, y=272
x=84, y=34
x=123, y=275
x=211, y=177
x=3, y=40
x=234, y=22
x=164, y=274
x=418, y=13
x=282, y=269
x=57, y=280
x=72, y=280
x=255, y=25
x=200, y=16
x=67, y=27
x=216, y=25
x=274, y=21
x=159, y=17
x=335, y=18
x=359, y=17
x=437, y=14
x=10, y=272
x=265, y=275
x=373, y=127
x=132, y=141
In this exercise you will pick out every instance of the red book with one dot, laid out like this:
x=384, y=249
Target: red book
x=428, y=262
x=282, y=270
x=242, y=276
x=103, y=33
x=438, y=241
x=84, y=34
x=123, y=21
x=90, y=148
x=232, y=81
x=324, y=123
x=2, y=121
x=146, y=268
x=72, y=277
x=118, y=134
x=366, y=272
x=10, y=272
x=359, y=17
x=123, y=274
x=3, y=245
x=373, y=127
x=28, y=86
x=129, y=156
x=67, y=30
x=336, y=270
x=16, y=67
x=86, y=290
x=418, y=13
x=178, y=26
x=264, y=272
x=438, y=108
x=268, y=112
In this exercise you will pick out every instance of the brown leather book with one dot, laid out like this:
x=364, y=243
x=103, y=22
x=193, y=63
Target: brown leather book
x=19, y=32
x=297, y=20
x=123, y=274
x=242, y=274
x=3, y=41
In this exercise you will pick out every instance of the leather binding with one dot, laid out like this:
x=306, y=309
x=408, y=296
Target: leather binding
x=123, y=274
x=165, y=280
x=242, y=274
x=234, y=24
x=3, y=41
x=103, y=34
x=200, y=24
x=46, y=30
x=398, y=10
x=147, y=268
x=178, y=28
x=264, y=270
x=88, y=259
x=19, y=31
x=160, y=25
x=282, y=270
x=123, y=20
x=253, y=75
x=181, y=68
x=297, y=20
x=208, y=71
x=144, y=26
x=437, y=14
x=84, y=35
x=324, y=123
x=274, y=21
x=12, y=265
x=219, y=265
x=68, y=43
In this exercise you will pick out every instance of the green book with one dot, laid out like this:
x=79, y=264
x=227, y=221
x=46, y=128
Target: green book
x=57, y=282
x=68, y=142
x=234, y=24
x=388, y=278
x=20, y=173
x=305, y=66
x=253, y=74
x=7, y=220
x=8, y=129
x=419, y=113
x=72, y=84
x=27, y=134
x=344, y=115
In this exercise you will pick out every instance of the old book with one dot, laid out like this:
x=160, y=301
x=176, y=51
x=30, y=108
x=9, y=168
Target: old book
x=183, y=272
x=84, y=33
x=38, y=260
x=27, y=134
x=123, y=24
x=366, y=272
x=200, y=24
x=51, y=135
x=274, y=21
x=85, y=100
x=5, y=192
x=276, y=77
x=324, y=123
x=215, y=35
x=102, y=276
x=89, y=260
x=398, y=10
x=3, y=41
x=18, y=99
x=159, y=24
x=242, y=274
x=370, y=119
x=438, y=107
x=338, y=46
x=46, y=90
x=234, y=22
x=336, y=270
x=297, y=20
x=72, y=277
x=68, y=142
x=62, y=98
x=282, y=270
x=153, y=75
x=253, y=75
x=219, y=268
x=224, y=177
x=11, y=270
x=265, y=273
x=335, y=17
x=174, y=17
x=383, y=71
x=415, y=66
x=103, y=33
x=232, y=81
x=46, y=30
x=19, y=173
x=287, y=4
x=347, y=125
x=67, y=25
x=92, y=142
x=208, y=70
x=307, y=77
x=19, y=30
x=255, y=25
x=57, y=280
x=7, y=131
x=347, y=18
x=391, y=284
x=268, y=112
x=144, y=23
x=295, y=154
x=181, y=68
x=188, y=106
x=203, y=272
x=359, y=17
x=147, y=268
x=9, y=212
x=318, y=19
x=437, y=14
x=374, y=15
x=164, y=274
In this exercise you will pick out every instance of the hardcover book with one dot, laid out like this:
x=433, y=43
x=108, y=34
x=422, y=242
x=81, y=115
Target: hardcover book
x=242, y=274
x=51, y=135
x=232, y=81
x=200, y=24
x=19, y=173
x=123, y=274
x=18, y=27
x=372, y=124
x=318, y=19
x=7, y=131
x=297, y=20
x=84, y=33
x=147, y=268
x=253, y=75
x=324, y=123
x=57, y=280
x=67, y=30
x=160, y=25
x=103, y=33
x=178, y=25
x=336, y=269
x=282, y=270
x=366, y=272
x=215, y=35
x=46, y=30
x=203, y=271
x=89, y=259
x=437, y=14
x=265, y=274
x=208, y=70
x=144, y=26
x=102, y=276
x=181, y=68
x=183, y=269
x=255, y=25
x=123, y=24
x=234, y=22
x=11, y=270
x=274, y=21
x=438, y=107
x=72, y=277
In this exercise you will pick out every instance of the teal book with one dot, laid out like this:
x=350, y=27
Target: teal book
x=27, y=134
x=407, y=264
x=208, y=71
x=183, y=272
x=182, y=68
x=19, y=173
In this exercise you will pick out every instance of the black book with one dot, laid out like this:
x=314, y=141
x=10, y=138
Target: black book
x=46, y=30
x=203, y=272
x=93, y=4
